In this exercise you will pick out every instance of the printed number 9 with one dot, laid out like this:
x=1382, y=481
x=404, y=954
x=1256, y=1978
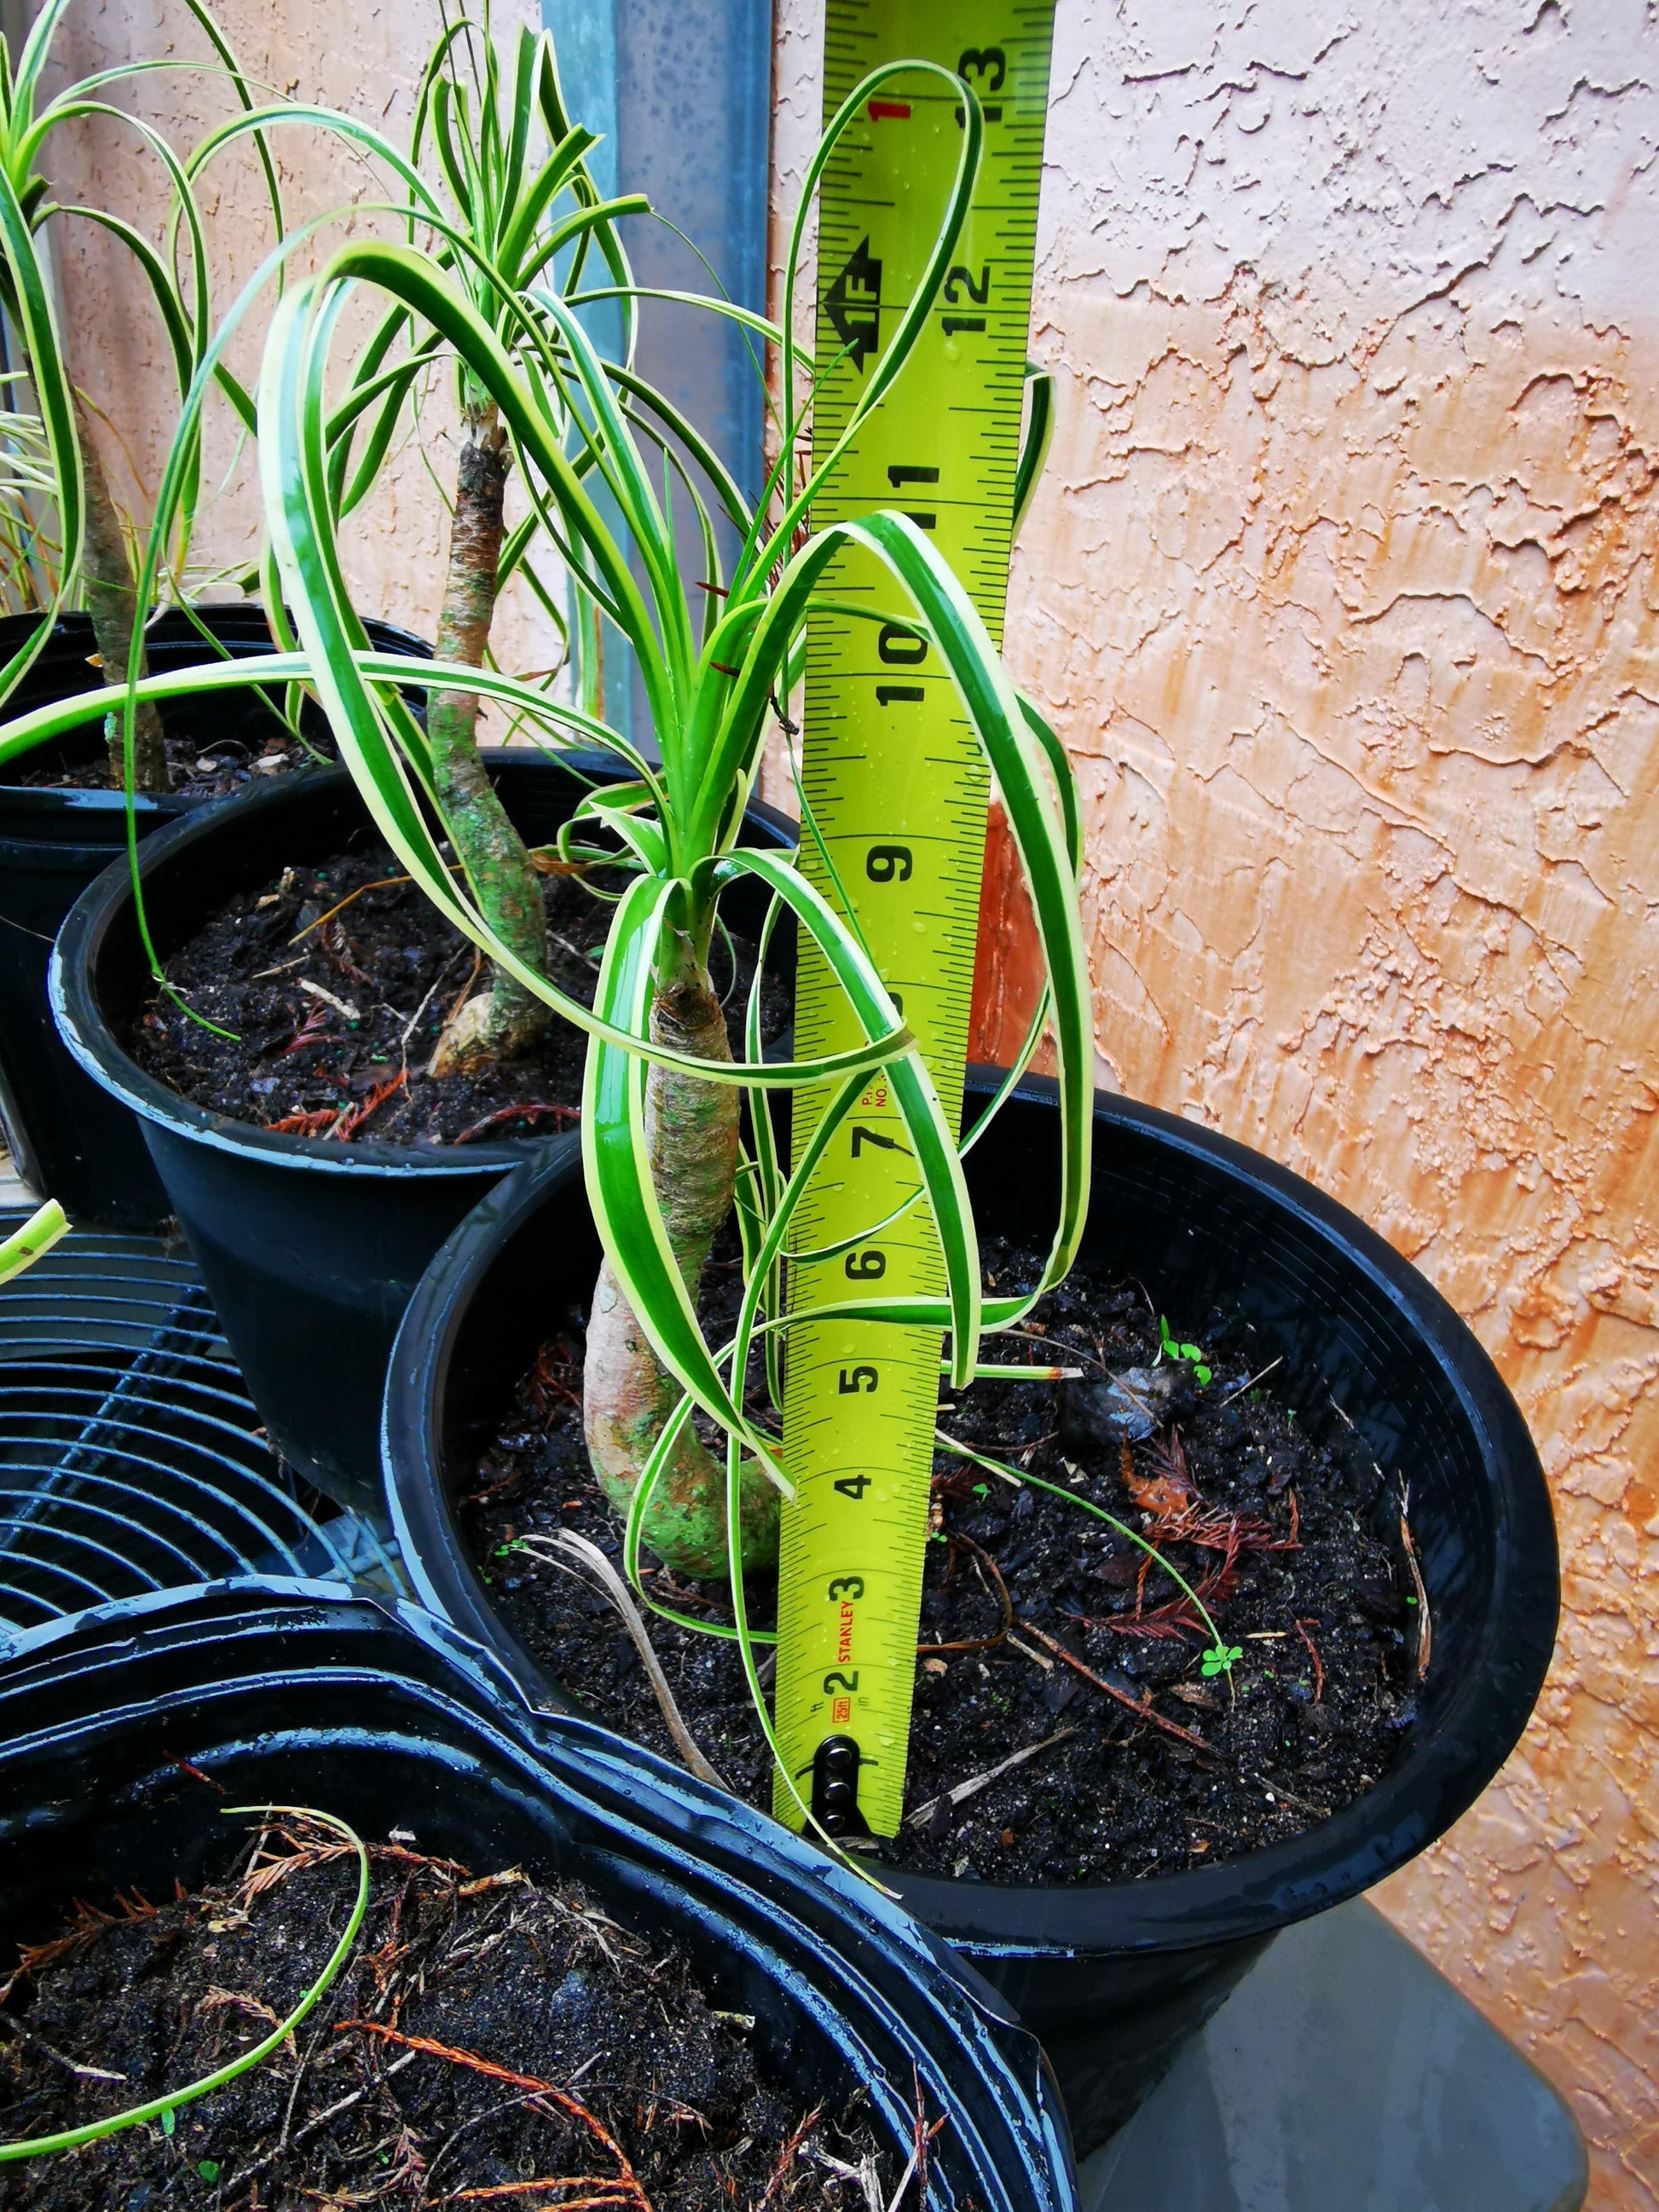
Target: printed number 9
x=885, y=862
x=865, y=1267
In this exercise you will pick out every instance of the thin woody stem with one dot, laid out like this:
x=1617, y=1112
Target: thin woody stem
x=112, y=602
x=506, y=1019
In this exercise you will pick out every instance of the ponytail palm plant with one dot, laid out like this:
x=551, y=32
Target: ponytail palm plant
x=65, y=540
x=663, y=1150
x=490, y=280
x=500, y=212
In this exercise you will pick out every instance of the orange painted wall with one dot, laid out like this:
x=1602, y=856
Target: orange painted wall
x=1343, y=591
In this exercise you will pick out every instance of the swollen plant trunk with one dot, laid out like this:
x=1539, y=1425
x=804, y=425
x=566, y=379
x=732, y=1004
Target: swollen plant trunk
x=113, y=604
x=505, y=1018
x=691, y=1134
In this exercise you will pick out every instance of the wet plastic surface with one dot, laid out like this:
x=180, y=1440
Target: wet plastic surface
x=131, y=1459
x=72, y=1141
x=309, y=1249
x=1116, y=1979
x=304, y=1694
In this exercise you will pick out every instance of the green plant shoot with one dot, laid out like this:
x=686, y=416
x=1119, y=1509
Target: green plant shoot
x=36, y=1238
x=61, y=537
x=1192, y=1353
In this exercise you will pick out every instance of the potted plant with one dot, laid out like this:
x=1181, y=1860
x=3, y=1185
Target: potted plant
x=1171, y=1855
x=312, y=1243
x=448, y=1988
x=69, y=595
x=312, y=1228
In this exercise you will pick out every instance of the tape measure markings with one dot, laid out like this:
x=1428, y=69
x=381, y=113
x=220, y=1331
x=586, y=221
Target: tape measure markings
x=898, y=787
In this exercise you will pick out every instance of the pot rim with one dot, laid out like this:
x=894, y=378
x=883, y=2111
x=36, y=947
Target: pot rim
x=82, y=1023
x=1408, y=1807
x=173, y=629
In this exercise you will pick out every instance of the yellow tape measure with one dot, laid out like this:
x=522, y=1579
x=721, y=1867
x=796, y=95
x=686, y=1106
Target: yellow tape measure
x=899, y=787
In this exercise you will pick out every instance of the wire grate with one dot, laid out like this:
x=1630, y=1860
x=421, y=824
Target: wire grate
x=131, y=1458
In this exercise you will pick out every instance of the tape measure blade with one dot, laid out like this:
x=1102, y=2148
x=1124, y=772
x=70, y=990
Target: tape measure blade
x=899, y=787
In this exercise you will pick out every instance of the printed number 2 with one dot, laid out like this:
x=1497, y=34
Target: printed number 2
x=978, y=293
x=840, y=1681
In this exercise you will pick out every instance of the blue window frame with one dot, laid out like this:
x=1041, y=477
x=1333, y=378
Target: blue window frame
x=681, y=90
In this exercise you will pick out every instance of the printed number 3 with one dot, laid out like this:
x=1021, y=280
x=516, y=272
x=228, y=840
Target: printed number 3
x=989, y=62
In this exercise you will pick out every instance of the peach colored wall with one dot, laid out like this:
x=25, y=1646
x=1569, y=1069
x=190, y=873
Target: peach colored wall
x=1344, y=592
x=366, y=61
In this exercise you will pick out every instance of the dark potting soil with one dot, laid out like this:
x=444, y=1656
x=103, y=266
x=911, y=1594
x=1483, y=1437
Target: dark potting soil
x=1043, y=1625
x=216, y=770
x=648, y=2092
x=334, y=982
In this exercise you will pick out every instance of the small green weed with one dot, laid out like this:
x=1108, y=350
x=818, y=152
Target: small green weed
x=1193, y=1352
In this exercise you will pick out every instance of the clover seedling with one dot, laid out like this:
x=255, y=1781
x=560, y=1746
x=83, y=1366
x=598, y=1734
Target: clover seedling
x=1219, y=1659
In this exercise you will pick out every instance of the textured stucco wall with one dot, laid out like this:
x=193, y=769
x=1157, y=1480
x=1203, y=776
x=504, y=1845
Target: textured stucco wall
x=366, y=61
x=1344, y=592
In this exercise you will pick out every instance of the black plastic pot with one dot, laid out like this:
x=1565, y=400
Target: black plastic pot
x=301, y=1693
x=72, y=1141
x=1113, y=1979
x=309, y=1249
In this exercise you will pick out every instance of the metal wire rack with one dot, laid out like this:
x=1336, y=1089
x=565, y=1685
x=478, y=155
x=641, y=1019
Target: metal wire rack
x=131, y=1459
